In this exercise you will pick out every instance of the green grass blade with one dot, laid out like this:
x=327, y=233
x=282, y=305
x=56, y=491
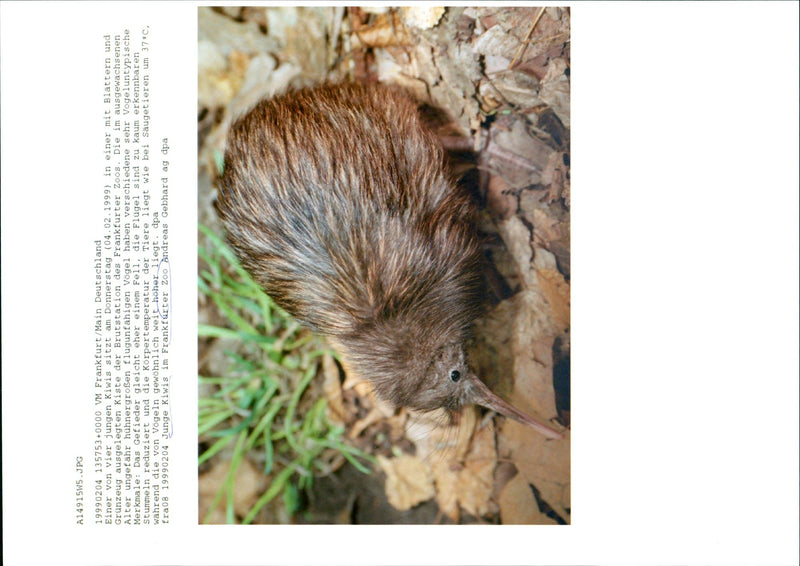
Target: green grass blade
x=221, y=332
x=211, y=422
x=238, y=455
x=213, y=449
x=277, y=485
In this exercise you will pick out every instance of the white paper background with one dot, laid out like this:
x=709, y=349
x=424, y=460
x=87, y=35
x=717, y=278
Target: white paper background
x=684, y=296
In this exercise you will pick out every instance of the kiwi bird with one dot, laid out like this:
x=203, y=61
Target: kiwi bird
x=337, y=201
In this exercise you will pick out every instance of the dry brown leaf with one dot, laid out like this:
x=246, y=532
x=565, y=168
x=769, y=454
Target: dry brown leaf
x=222, y=77
x=386, y=30
x=545, y=228
x=555, y=89
x=523, y=348
x=229, y=34
x=213, y=87
x=516, y=356
x=518, y=156
x=556, y=291
x=303, y=35
x=391, y=72
x=238, y=63
x=518, y=505
x=496, y=41
x=469, y=485
x=551, y=27
x=446, y=489
x=533, y=377
x=333, y=390
x=408, y=481
x=477, y=478
x=541, y=462
x=554, y=176
x=422, y=17
x=517, y=88
x=499, y=199
x=249, y=483
x=446, y=446
x=516, y=236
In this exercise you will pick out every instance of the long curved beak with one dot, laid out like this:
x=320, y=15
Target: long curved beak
x=482, y=395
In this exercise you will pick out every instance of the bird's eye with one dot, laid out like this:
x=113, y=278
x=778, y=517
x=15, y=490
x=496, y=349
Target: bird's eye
x=455, y=375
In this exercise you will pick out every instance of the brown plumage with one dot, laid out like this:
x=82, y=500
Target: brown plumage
x=336, y=201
